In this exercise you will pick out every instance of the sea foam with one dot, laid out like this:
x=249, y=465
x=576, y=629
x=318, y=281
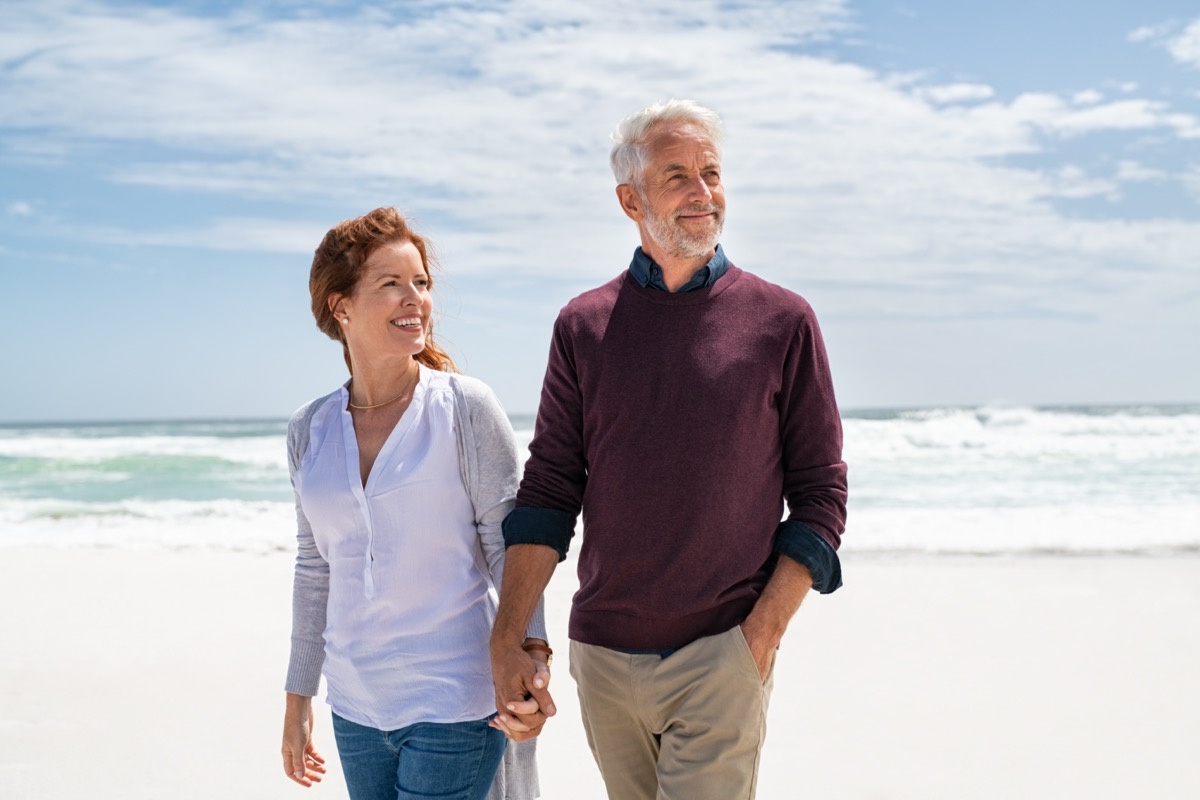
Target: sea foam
x=985, y=481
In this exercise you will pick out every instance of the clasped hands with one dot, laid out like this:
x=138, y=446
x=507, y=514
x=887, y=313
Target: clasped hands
x=522, y=681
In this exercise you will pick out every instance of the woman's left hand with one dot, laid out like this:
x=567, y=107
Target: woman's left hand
x=525, y=718
x=301, y=761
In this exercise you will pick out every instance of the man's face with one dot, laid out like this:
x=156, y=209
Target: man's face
x=682, y=196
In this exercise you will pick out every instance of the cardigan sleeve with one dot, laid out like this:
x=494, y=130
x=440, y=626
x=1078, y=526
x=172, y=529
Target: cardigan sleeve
x=488, y=459
x=488, y=456
x=310, y=583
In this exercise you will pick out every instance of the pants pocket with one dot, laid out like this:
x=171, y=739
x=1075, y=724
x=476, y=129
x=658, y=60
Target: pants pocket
x=746, y=655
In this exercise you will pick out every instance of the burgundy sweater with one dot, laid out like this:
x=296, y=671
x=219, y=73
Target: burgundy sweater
x=679, y=424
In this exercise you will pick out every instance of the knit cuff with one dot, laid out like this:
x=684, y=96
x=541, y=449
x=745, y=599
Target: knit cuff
x=304, y=668
x=537, y=623
x=546, y=526
x=805, y=546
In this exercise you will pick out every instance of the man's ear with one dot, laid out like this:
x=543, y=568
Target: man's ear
x=631, y=202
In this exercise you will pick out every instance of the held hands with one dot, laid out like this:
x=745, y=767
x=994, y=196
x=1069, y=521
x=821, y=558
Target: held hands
x=523, y=701
x=301, y=761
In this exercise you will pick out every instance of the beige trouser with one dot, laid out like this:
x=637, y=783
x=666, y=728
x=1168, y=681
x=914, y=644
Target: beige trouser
x=686, y=727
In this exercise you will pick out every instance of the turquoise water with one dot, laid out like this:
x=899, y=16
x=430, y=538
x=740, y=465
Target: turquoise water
x=974, y=480
x=105, y=463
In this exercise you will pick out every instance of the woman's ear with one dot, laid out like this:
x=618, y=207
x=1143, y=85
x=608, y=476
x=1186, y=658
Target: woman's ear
x=337, y=307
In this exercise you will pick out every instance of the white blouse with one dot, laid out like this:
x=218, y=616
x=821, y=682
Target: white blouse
x=409, y=612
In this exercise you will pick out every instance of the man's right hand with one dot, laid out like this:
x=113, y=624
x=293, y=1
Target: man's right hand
x=523, y=701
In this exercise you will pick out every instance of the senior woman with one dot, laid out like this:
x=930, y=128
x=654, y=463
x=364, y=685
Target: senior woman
x=402, y=479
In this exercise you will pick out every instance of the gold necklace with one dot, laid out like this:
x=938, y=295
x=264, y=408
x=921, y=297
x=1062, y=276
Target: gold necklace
x=407, y=389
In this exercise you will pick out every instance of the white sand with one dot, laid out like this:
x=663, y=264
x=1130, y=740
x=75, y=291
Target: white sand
x=158, y=674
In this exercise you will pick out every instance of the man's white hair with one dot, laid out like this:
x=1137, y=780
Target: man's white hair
x=629, y=155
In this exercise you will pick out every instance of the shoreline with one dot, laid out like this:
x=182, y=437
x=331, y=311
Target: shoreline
x=138, y=674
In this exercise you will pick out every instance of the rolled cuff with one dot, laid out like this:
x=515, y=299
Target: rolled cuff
x=805, y=546
x=545, y=526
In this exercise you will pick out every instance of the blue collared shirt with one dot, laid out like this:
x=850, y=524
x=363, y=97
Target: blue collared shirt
x=647, y=273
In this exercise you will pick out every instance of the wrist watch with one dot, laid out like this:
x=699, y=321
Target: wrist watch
x=541, y=648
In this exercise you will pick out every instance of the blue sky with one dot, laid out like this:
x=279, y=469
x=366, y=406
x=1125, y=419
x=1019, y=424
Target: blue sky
x=993, y=204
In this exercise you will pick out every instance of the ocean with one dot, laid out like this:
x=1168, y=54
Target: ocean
x=975, y=481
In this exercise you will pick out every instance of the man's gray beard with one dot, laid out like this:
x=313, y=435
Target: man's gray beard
x=668, y=234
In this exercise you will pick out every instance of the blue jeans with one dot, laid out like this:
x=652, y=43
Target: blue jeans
x=449, y=761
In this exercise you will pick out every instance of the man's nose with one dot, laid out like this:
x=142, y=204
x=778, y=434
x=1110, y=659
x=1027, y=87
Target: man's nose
x=698, y=189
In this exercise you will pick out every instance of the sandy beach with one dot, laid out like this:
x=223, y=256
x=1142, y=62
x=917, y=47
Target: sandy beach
x=129, y=675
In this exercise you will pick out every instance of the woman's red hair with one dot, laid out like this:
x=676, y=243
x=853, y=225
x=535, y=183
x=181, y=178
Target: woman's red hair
x=338, y=265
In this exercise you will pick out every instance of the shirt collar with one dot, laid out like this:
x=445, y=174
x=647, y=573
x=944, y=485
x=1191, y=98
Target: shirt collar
x=647, y=273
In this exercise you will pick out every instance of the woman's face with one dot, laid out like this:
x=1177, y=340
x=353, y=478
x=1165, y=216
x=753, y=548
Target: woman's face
x=388, y=314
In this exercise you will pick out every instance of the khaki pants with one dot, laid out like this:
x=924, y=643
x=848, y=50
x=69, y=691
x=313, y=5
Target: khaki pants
x=686, y=727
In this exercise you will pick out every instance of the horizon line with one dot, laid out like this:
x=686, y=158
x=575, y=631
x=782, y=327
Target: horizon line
x=852, y=412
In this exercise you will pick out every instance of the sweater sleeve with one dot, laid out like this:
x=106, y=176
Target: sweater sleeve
x=551, y=493
x=490, y=456
x=310, y=584
x=814, y=472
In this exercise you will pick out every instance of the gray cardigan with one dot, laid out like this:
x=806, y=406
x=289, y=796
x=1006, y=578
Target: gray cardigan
x=487, y=460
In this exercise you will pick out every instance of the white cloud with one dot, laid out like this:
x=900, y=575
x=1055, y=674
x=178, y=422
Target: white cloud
x=1149, y=33
x=1185, y=48
x=19, y=209
x=242, y=234
x=1050, y=113
x=1134, y=172
x=1187, y=126
x=494, y=117
x=1191, y=181
x=1074, y=182
x=958, y=92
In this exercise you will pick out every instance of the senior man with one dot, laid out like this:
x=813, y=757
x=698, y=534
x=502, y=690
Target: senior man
x=684, y=402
